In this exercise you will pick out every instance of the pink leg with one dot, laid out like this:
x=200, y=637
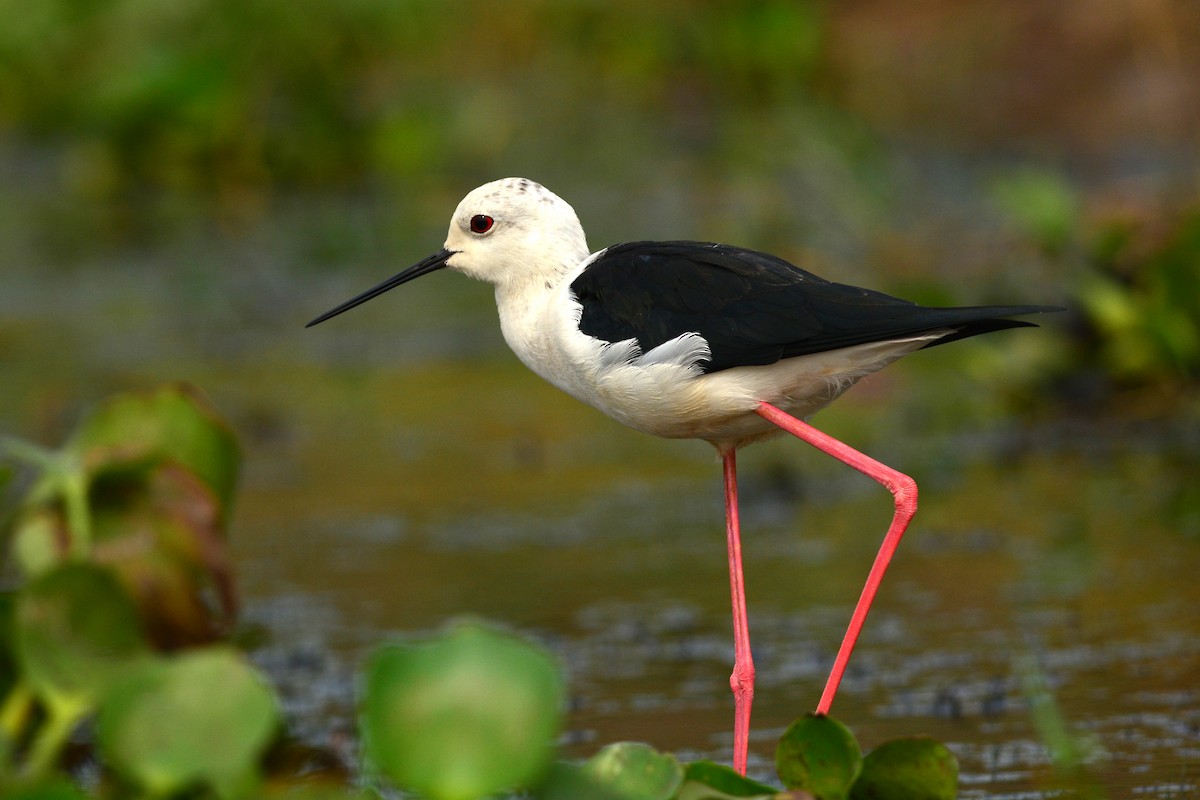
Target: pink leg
x=742, y=679
x=903, y=489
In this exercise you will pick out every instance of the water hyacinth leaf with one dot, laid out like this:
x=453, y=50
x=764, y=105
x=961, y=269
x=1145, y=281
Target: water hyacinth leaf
x=8, y=662
x=706, y=780
x=635, y=771
x=201, y=718
x=75, y=631
x=144, y=486
x=174, y=423
x=692, y=790
x=53, y=789
x=463, y=715
x=39, y=540
x=160, y=528
x=819, y=755
x=564, y=781
x=310, y=791
x=916, y=768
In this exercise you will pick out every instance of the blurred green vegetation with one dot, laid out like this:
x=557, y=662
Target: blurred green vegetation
x=237, y=100
x=829, y=132
x=1142, y=298
x=1134, y=282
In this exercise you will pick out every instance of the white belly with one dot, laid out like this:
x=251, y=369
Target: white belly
x=719, y=407
x=663, y=392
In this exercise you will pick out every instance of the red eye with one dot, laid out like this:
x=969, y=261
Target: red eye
x=481, y=223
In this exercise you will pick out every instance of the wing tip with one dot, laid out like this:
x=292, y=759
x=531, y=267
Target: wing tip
x=998, y=321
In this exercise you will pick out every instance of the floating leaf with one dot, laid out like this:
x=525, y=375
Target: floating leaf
x=55, y=506
x=917, y=768
x=75, y=631
x=53, y=789
x=635, y=771
x=174, y=423
x=705, y=780
x=463, y=715
x=820, y=755
x=8, y=663
x=158, y=527
x=204, y=717
x=565, y=781
x=310, y=791
x=149, y=476
x=39, y=540
x=161, y=529
x=692, y=790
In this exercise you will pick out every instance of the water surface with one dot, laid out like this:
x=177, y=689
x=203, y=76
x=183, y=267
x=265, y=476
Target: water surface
x=402, y=469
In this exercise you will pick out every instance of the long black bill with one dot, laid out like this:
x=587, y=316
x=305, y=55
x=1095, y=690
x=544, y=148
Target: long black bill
x=434, y=262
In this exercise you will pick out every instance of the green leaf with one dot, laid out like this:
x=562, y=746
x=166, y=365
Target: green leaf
x=204, y=717
x=8, y=662
x=144, y=486
x=55, y=506
x=40, y=540
x=635, y=771
x=705, y=780
x=174, y=423
x=916, y=768
x=692, y=790
x=820, y=755
x=160, y=528
x=564, y=781
x=308, y=790
x=463, y=715
x=51, y=789
x=75, y=632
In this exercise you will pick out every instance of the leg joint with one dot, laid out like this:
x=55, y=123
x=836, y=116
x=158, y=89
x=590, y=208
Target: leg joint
x=904, y=490
x=741, y=680
x=905, y=487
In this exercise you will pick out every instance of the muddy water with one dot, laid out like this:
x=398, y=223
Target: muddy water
x=1041, y=618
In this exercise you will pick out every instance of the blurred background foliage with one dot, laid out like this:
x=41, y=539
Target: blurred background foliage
x=236, y=99
x=1048, y=146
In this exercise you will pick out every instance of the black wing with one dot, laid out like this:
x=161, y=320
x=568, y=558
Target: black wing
x=752, y=308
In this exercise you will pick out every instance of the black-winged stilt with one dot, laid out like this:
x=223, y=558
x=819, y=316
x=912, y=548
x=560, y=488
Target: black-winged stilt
x=694, y=340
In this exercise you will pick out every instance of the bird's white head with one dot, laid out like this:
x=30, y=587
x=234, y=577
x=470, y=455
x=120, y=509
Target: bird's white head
x=513, y=231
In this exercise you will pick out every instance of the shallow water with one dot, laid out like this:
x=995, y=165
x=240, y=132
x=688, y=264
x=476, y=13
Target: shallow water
x=403, y=469
x=1054, y=580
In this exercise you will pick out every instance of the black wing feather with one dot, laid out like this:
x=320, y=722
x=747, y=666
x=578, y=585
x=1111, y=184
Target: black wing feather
x=752, y=308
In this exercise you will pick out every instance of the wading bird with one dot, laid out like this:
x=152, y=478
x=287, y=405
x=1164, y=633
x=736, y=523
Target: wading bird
x=694, y=340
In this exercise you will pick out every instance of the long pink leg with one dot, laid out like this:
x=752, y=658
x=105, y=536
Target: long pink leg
x=742, y=679
x=903, y=489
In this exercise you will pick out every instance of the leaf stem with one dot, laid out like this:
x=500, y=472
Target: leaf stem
x=21, y=450
x=79, y=520
x=14, y=715
x=67, y=478
x=48, y=742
